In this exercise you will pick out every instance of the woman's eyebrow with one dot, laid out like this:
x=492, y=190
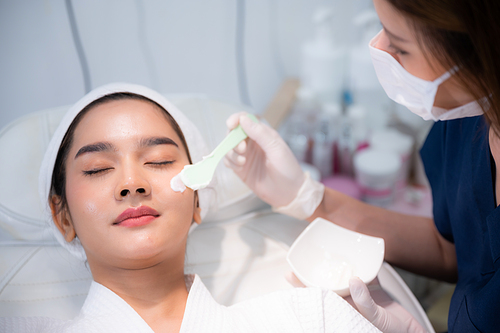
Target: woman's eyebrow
x=155, y=141
x=95, y=147
x=107, y=146
x=393, y=36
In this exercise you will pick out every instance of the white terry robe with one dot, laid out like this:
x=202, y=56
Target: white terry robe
x=294, y=310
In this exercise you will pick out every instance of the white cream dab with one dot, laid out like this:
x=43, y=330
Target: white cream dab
x=176, y=184
x=91, y=207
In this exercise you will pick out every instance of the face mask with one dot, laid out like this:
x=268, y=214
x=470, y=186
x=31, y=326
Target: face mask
x=415, y=93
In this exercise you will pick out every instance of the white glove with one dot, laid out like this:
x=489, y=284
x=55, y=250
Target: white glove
x=267, y=165
x=388, y=316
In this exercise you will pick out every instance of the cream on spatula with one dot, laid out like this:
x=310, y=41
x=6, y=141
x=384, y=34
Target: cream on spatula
x=198, y=176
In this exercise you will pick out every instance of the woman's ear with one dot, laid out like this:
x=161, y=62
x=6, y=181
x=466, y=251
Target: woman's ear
x=61, y=219
x=197, y=209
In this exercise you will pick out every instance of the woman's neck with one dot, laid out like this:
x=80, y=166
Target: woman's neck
x=158, y=293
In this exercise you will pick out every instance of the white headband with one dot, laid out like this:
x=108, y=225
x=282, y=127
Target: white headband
x=194, y=140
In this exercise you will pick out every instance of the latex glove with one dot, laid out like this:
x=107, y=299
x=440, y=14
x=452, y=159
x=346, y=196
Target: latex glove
x=388, y=316
x=267, y=165
x=265, y=162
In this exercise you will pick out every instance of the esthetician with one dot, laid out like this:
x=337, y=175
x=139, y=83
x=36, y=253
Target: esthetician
x=441, y=59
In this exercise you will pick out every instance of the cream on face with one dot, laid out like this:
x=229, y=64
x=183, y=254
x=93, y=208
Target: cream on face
x=176, y=184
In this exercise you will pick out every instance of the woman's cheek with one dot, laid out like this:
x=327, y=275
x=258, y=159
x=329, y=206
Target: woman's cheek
x=172, y=198
x=88, y=200
x=93, y=211
x=91, y=208
x=163, y=188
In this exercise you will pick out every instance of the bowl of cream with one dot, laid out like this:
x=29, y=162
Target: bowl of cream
x=326, y=255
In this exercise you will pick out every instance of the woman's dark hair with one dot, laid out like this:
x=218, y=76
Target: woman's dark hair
x=58, y=183
x=463, y=33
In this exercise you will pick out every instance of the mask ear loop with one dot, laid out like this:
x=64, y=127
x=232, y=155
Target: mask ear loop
x=436, y=84
x=446, y=75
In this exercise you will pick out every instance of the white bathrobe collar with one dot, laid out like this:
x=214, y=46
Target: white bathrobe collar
x=103, y=306
x=103, y=309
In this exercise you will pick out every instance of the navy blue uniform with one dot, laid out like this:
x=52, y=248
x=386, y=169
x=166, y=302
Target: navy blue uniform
x=460, y=169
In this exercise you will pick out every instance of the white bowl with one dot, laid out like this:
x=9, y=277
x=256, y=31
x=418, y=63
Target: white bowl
x=326, y=256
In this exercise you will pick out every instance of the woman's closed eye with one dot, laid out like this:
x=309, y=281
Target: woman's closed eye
x=397, y=50
x=160, y=164
x=96, y=171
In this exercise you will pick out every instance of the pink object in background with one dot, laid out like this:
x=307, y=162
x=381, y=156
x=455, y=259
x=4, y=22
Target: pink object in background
x=343, y=184
x=416, y=200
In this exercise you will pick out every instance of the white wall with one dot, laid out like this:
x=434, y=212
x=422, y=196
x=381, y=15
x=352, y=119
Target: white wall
x=172, y=46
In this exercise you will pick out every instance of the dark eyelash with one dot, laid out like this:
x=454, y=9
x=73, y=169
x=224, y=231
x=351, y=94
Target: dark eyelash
x=97, y=171
x=160, y=163
x=94, y=171
x=397, y=50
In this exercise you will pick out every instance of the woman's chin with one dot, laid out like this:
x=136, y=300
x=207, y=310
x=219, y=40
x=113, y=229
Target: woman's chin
x=138, y=251
x=142, y=257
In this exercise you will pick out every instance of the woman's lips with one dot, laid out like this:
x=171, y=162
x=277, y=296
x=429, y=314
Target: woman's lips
x=134, y=217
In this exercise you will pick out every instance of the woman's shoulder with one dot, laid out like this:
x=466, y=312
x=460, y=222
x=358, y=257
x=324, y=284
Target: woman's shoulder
x=456, y=132
x=450, y=143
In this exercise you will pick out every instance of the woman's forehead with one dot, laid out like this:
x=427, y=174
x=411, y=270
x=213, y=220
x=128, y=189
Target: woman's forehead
x=393, y=21
x=124, y=119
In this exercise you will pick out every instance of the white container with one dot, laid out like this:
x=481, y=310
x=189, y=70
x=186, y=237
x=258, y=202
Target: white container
x=326, y=255
x=399, y=143
x=363, y=82
x=325, y=135
x=352, y=137
x=356, y=113
x=299, y=126
x=376, y=172
x=323, y=62
x=308, y=107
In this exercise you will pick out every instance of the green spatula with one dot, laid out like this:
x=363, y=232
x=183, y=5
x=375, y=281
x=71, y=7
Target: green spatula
x=198, y=176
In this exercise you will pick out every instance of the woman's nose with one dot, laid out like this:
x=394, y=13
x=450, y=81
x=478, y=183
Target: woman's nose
x=383, y=44
x=132, y=185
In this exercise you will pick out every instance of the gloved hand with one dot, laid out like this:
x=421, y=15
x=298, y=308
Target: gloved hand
x=388, y=316
x=267, y=165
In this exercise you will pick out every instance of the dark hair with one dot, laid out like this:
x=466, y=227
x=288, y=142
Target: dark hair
x=58, y=183
x=463, y=33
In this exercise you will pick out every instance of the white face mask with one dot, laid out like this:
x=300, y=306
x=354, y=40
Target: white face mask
x=415, y=93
